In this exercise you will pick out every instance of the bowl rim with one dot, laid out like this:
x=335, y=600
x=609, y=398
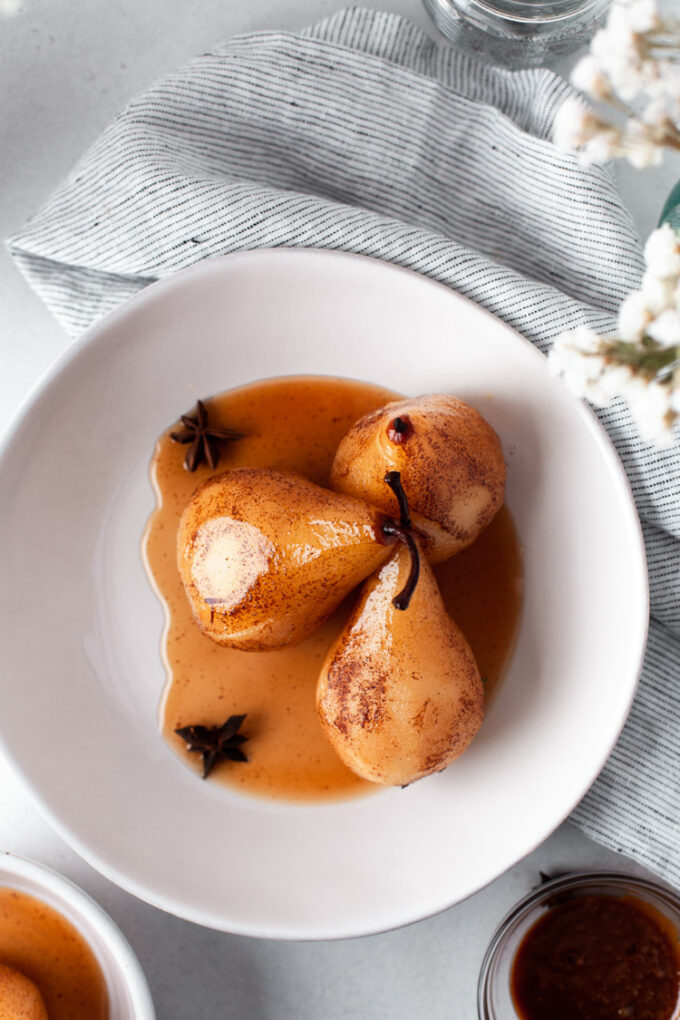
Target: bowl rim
x=84, y=906
x=575, y=880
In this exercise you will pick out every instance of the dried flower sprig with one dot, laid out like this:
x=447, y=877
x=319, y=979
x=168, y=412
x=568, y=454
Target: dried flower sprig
x=641, y=363
x=633, y=73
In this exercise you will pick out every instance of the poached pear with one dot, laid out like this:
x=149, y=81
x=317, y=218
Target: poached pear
x=20, y=998
x=450, y=461
x=399, y=694
x=265, y=555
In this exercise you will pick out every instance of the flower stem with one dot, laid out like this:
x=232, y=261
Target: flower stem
x=651, y=358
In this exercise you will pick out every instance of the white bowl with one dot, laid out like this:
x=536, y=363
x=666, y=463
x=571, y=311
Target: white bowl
x=129, y=996
x=80, y=626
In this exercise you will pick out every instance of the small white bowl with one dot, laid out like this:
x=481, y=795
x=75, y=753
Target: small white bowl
x=129, y=996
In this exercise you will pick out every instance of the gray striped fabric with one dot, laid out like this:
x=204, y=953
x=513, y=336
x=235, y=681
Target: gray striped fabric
x=361, y=134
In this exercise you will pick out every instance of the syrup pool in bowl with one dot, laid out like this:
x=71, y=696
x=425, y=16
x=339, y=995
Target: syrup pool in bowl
x=296, y=424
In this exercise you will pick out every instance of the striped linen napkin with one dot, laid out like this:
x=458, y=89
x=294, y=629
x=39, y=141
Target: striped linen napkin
x=362, y=134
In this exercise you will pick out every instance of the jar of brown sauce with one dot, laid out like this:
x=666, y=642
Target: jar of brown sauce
x=599, y=946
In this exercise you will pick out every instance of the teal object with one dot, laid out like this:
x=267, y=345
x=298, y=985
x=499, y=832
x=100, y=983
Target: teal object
x=671, y=211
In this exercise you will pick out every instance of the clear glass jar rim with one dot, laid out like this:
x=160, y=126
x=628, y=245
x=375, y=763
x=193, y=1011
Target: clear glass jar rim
x=530, y=11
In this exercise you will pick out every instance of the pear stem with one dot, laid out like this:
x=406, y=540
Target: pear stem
x=393, y=479
x=402, y=600
x=401, y=532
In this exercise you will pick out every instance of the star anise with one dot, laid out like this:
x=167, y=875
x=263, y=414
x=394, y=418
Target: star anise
x=203, y=437
x=215, y=743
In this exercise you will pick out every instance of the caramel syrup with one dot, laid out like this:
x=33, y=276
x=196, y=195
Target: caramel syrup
x=598, y=957
x=297, y=423
x=40, y=943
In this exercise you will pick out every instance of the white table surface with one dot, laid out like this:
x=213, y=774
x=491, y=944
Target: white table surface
x=66, y=68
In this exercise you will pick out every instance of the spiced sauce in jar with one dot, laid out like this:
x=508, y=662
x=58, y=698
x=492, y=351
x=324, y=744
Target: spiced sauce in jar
x=598, y=957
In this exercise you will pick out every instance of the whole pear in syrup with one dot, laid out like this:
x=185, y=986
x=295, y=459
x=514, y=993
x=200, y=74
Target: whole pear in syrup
x=266, y=555
x=399, y=694
x=450, y=461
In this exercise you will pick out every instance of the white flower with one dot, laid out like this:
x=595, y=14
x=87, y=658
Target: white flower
x=618, y=52
x=640, y=149
x=634, y=317
x=618, y=31
x=633, y=69
x=650, y=403
x=658, y=292
x=665, y=329
x=662, y=252
x=581, y=369
x=601, y=147
x=574, y=125
x=587, y=76
x=614, y=381
x=666, y=85
x=643, y=15
x=594, y=367
x=565, y=360
x=583, y=339
x=611, y=383
x=655, y=113
x=653, y=73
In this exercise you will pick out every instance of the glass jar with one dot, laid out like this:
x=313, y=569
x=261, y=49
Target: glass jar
x=518, y=33
x=494, y=998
